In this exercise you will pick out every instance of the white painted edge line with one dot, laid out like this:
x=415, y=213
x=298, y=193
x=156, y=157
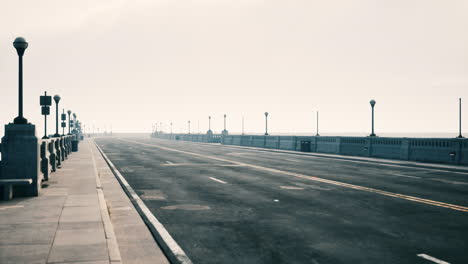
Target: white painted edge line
x=111, y=239
x=436, y=260
x=174, y=252
x=214, y=179
x=168, y=162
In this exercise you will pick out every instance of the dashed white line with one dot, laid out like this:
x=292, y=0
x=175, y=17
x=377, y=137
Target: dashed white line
x=292, y=160
x=407, y=176
x=168, y=162
x=220, y=181
x=436, y=260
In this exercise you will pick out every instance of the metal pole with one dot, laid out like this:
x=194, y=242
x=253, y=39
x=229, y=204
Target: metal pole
x=45, y=126
x=224, y=122
x=56, y=120
x=242, y=125
x=459, y=119
x=266, y=125
x=20, y=87
x=317, y=124
x=373, y=134
x=63, y=128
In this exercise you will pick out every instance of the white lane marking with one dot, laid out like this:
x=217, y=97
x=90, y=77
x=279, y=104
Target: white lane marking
x=436, y=260
x=214, y=179
x=292, y=160
x=450, y=182
x=11, y=206
x=168, y=162
x=201, y=164
x=315, y=178
x=276, y=200
x=407, y=176
x=291, y=188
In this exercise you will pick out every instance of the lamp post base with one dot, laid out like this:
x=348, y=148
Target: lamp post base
x=372, y=135
x=266, y=134
x=19, y=120
x=460, y=136
x=57, y=135
x=45, y=137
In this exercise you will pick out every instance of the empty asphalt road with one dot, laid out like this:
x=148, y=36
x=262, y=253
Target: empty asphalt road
x=226, y=204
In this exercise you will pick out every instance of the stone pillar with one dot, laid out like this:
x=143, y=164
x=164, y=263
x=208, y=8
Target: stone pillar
x=405, y=149
x=20, y=157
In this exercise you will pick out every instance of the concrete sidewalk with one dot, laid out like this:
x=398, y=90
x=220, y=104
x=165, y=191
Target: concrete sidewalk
x=82, y=216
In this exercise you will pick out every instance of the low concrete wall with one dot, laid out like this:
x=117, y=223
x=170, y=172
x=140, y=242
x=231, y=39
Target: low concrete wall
x=436, y=150
x=51, y=154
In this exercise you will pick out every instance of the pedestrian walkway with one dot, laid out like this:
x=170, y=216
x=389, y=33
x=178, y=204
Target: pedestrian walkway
x=81, y=216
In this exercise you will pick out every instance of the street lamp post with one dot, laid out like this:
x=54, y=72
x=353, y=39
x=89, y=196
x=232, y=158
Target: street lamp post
x=225, y=132
x=317, y=135
x=57, y=100
x=69, y=122
x=242, y=125
x=189, y=127
x=372, y=103
x=20, y=45
x=266, y=123
x=45, y=102
x=459, y=119
x=171, y=128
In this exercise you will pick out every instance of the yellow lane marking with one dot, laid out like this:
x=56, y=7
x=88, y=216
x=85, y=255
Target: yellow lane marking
x=314, y=178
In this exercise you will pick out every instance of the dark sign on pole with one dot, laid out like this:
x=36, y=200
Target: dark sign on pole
x=45, y=110
x=45, y=100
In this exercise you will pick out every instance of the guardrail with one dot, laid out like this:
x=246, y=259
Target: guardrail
x=435, y=150
x=52, y=153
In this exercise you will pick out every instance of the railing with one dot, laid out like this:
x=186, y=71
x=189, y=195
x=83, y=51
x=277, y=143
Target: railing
x=437, y=150
x=51, y=155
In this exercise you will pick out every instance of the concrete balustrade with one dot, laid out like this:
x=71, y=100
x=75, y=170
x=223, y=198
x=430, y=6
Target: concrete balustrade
x=50, y=155
x=435, y=150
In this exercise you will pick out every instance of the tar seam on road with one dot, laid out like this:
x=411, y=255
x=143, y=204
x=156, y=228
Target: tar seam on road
x=436, y=260
x=170, y=247
x=314, y=178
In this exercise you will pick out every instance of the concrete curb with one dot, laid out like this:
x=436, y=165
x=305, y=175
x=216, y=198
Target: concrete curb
x=111, y=239
x=170, y=247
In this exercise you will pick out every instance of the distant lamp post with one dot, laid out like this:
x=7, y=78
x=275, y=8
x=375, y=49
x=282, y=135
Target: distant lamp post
x=242, y=125
x=57, y=100
x=372, y=103
x=189, y=127
x=45, y=102
x=209, y=125
x=266, y=123
x=171, y=128
x=459, y=119
x=69, y=122
x=317, y=135
x=20, y=45
x=225, y=132
x=64, y=124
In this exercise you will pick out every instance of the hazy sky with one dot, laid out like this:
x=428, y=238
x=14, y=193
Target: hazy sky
x=132, y=63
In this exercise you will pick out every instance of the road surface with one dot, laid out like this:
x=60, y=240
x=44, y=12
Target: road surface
x=225, y=204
